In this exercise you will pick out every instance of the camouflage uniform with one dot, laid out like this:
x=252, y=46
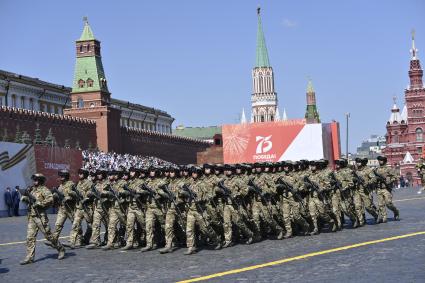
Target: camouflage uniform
x=66, y=207
x=384, y=193
x=262, y=211
x=231, y=215
x=175, y=219
x=117, y=212
x=345, y=177
x=196, y=215
x=84, y=210
x=136, y=213
x=37, y=220
x=318, y=203
x=100, y=212
x=155, y=213
x=363, y=199
x=291, y=207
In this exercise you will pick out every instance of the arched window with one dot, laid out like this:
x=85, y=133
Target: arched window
x=88, y=47
x=89, y=82
x=419, y=135
x=81, y=48
x=262, y=119
x=22, y=102
x=81, y=83
x=80, y=103
x=31, y=106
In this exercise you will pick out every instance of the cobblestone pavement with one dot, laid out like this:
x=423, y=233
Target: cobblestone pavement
x=400, y=260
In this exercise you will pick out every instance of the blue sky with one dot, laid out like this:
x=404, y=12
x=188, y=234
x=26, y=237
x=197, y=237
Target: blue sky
x=194, y=58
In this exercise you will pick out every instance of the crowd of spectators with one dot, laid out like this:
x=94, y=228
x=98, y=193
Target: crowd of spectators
x=93, y=160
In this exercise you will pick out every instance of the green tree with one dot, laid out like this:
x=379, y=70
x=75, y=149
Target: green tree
x=49, y=138
x=18, y=135
x=37, y=135
x=26, y=138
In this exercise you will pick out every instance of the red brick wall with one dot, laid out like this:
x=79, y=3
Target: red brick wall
x=174, y=149
x=63, y=127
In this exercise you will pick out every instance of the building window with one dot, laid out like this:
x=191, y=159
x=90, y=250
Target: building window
x=88, y=47
x=271, y=118
x=31, y=104
x=22, y=102
x=396, y=140
x=13, y=100
x=80, y=83
x=89, y=83
x=56, y=110
x=80, y=103
x=419, y=135
x=81, y=48
x=419, y=150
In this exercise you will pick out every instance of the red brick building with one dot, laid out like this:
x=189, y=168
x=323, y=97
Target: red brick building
x=405, y=130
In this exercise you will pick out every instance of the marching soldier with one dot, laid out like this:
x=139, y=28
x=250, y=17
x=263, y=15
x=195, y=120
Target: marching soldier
x=155, y=213
x=101, y=207
x=385, y=176
x=363, y=199
x=344, y=182
x=66, y=196
x=197, y=197
x=39, y=198
x=84, y=208
x=136, y=209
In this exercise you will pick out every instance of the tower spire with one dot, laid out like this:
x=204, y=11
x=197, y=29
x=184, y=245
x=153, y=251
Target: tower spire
x=311, y=114
x=87, y=33
x=262, y=58
x=414, y=51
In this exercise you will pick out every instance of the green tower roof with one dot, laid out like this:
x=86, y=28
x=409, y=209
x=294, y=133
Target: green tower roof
x=87, y=32
x=262, y=59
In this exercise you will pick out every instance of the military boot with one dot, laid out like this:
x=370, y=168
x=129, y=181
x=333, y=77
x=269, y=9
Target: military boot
x=146, y=249
x=48, y=244
x=280, y=236
x=166, y=249
x=228, y=244
x=315, y=231
x=384, y=220
x=191, y=251
x=287, y=235
x=396, y=215
x=27, y=260
x=355, y=223
x=218, y=246
x=108, y=247
x=61, y=253
x=127, y=247
x=249, y=241
x=92, y=246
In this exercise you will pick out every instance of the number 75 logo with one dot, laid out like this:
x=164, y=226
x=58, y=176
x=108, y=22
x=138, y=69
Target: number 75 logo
x=264, y=144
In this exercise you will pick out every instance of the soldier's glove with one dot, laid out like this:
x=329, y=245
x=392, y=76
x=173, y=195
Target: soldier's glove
x=25, y=199
x=37, y=205
x=124, y=194
x=85, y=200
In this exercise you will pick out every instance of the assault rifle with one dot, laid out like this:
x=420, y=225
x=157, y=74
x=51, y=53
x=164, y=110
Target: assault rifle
x=382, y=180
x=148, y=189
x=359, y=179
x=288, y=187
x=335, y=182
x=117, y=199
x=313, y=186
x=226, y=191
x=27, y=193
x=262, y=195
x=192, y=194
x=172, y=197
